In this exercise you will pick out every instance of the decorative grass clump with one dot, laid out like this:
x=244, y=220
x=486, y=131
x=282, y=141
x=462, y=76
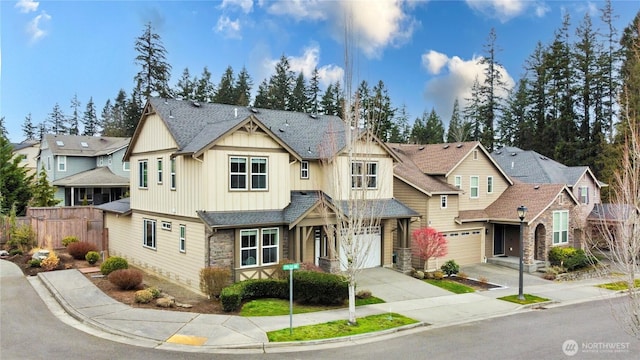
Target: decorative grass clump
x=126, y=279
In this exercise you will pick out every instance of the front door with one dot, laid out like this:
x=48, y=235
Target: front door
x=498, y=239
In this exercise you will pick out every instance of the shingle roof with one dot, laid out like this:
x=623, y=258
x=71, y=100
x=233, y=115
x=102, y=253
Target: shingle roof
x=122, y=206
x=25, y=144
x=531, y=167
x=536, y=197
x=407, y=171
x=436, y=159
x=100, y=176
x=379, y=208
x=71, y=145
x=611, y=212
x=195, y=126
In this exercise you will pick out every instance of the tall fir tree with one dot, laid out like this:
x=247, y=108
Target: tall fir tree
x=537, y=77
x=3, y=128
x=280, y=85
x=459, y=130
x=155, y=71
x=473, y=109
x=225, y=92
x=313, y=92
x=434, y=127
x=15, y=183
x=132, y=113
x=327, y=102
x=516, y=127
x=381, y=112
x=57, y=120
x=42, y=129
x=90, y=122
x=419, y=130
x=262, y=96
x=298, y=100
x=400, y=131
x=609, y=62
x=43, y=192
x=242, y=88
x=204, y=88
x=185, y=88
x=28, y=129
x=491, y=102
x=74, y=118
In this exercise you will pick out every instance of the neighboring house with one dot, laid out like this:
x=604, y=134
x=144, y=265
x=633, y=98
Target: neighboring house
x=86, y=170
x=28, y=152
x=531, y=167
x=460, y=191
x=245, y=189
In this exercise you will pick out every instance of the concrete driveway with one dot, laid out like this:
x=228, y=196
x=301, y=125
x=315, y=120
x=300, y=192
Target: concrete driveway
x=501, y=275
x=390, y=285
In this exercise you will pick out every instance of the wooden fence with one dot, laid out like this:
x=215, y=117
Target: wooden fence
x=83, y=222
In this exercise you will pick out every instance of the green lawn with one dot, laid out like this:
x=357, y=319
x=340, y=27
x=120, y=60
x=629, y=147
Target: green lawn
x=273, y=307
x=341, y=328
x=528, y=299
x=452, y=286
x=618, y=285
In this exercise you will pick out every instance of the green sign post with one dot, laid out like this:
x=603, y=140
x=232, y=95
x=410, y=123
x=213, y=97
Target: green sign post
x=291, y=267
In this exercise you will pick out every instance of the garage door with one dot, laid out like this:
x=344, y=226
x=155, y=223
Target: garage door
x=464, y=247
x=369, y=246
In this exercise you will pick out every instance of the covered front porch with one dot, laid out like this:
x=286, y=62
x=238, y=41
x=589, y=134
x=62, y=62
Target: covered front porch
x=513, y=262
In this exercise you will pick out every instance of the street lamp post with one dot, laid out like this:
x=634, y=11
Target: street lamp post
x=522, y=212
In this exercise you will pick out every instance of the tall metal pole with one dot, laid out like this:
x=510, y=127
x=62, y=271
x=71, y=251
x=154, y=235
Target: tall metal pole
x=521, y=276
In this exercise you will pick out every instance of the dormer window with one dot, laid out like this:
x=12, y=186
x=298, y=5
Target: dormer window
x=584, y=194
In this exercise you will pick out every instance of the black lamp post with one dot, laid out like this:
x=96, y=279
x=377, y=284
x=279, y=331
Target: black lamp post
x=522, y=212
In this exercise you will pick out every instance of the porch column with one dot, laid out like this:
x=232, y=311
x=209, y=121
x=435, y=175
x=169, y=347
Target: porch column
x=73, y=198
x=296, y=245
x=403, y=251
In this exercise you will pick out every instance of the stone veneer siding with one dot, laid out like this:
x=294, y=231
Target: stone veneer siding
x=547, y=220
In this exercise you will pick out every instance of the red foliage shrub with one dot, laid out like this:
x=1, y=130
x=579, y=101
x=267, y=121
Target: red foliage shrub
x=80, y=249
x=126, y=279
x=428, y=243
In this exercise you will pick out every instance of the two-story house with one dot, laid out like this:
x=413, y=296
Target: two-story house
x=28, y=153
x=461, y=191
x=86, y=170
x=245, y=188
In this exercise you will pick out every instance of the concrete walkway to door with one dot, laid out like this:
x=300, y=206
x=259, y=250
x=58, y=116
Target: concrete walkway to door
x=390, y=285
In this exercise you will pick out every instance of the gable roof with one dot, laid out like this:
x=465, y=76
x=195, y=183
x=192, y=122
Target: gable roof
x=531, y=167
x=120, y=206
x=409, y=173
x=100, y=176
x=25, y=144
x=197, y=126
x=72, y=145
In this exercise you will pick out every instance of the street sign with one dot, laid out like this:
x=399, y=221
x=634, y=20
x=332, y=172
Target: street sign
x=295, y=266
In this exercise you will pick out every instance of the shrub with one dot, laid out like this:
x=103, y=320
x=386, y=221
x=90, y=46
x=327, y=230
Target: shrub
x=92, y=257
x=80, y=249
x=483, y=280
x=232, y=296
x=22, y=238
x=311, y=287
x=570, y=258
x=278, y=273
x=213, y=280
x=363, y=294
x=51, y=262
x=419, y=274
x=438, y=275
x=15, y=252
x=450, y=267
x=126, y=279
x=143, y=296
x=154, y=291
x=68, y=240
x=35, y=262
x=113, y=263
x=549, y=275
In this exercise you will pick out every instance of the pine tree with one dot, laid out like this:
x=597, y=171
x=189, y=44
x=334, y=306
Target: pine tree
x=537, y=98
x=400, y=131
x=490, y=100
x=115, y=124
x=242, y=88
x=204, y=88
x=3, y=128
x=74, y=119
x=609, y=60
x=57, y=120
x=472, y=112
x=42, y=129
x=361, y=105
x=14, y=181
x=313, y=92
x=339, y=100
x=28, y=129
x=132, y=113
x=327, y=102
x=153, y=77
x=43, y=192
x=105, y=117
x=185, y=88
x=225, y=92
x=516, y=127
x=298, y=100
x=434, y=128
x=262, y=97
x=280, y=85
x=90, y=119
x=459, y=129
x=419, y=130
x=381, y=112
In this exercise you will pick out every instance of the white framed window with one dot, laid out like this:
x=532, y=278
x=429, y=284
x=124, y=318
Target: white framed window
x=258, y=173
x=364, y=174
x=62, y=163
x=126, y=166
x=584, y=194
x=248, y=247
x=475, y=154
x=238, y=173
x=109, y=159
x=48, y=163
x=489, y=184
x=142, y=174
x=474, y=187
x=458, y=181
x=182, y=242
x=101, y=161
x=304, y=169
x=159, y=170
x=269, y=246
x=560, y=227
x=443, y=201
x=172, y=175
x=149, y=234
x=166, y=225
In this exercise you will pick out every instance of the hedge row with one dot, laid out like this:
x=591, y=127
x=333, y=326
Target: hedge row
x=309, y=287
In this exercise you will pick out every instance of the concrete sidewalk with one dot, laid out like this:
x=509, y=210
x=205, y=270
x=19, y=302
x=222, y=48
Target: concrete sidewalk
x=193, y=332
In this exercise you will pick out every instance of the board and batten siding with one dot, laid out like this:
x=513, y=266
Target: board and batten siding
x=340, y=178
x=483, y=168
x=154, y=136
x=315, y=180
x=166, y=260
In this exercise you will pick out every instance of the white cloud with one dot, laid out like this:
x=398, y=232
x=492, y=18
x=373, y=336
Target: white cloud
x=27, y=6
x=245, y=5
x=305, y=63
x=228, y=28
x=375, y=24
x=456, y=82
x=34, y=27
x=505, y=10
x=434, y=61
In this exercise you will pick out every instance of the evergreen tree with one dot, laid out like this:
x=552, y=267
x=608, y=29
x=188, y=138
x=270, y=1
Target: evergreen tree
x=419, y=130
x=339, y=100
x=459, y=129
x=400, y=131
x=630, y=73
x=28, y=129
x=90, y=119
x=472, y=112
x=361, y=105
x=115, y=124
x=380, y=112
x=280, y=85
x=43, y=192
x=313, y=92
x=537, y=98
x=204, y=88
x=186, y=86
x=42, y=129
x=225, y=92
x=3, y=128
x=74, y=119
x=242, y=88
x=132, y=113
x=153, y=77
x=14, y=181
x=57, y=120
x=327, y=103
x=490, y=101
x=516, y=127
x=262, y=97
x=298, y=100
x=105, y=117
x=434, y=128
x=608, y=61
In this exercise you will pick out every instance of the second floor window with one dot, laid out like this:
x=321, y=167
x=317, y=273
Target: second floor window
x=304, y=170
x=241, y=174
x=142, y=173
x=159, y=171
x=364, y=174
x=443, y=201
x=125, y=166
x=173, y=173
x=258, y=173
x=584, y=194
x=489, y=184
x=62, y=163
x=474, y=187
x=458, y=181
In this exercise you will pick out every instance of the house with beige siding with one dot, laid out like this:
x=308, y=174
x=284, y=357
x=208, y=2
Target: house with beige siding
x=27, y=151
x=246, y=188
x=461, y=191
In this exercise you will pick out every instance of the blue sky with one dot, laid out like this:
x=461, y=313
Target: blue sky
x=424, y=51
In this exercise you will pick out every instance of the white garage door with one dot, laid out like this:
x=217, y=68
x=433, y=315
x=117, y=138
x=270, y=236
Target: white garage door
x=464, y=247
x=369, y=245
